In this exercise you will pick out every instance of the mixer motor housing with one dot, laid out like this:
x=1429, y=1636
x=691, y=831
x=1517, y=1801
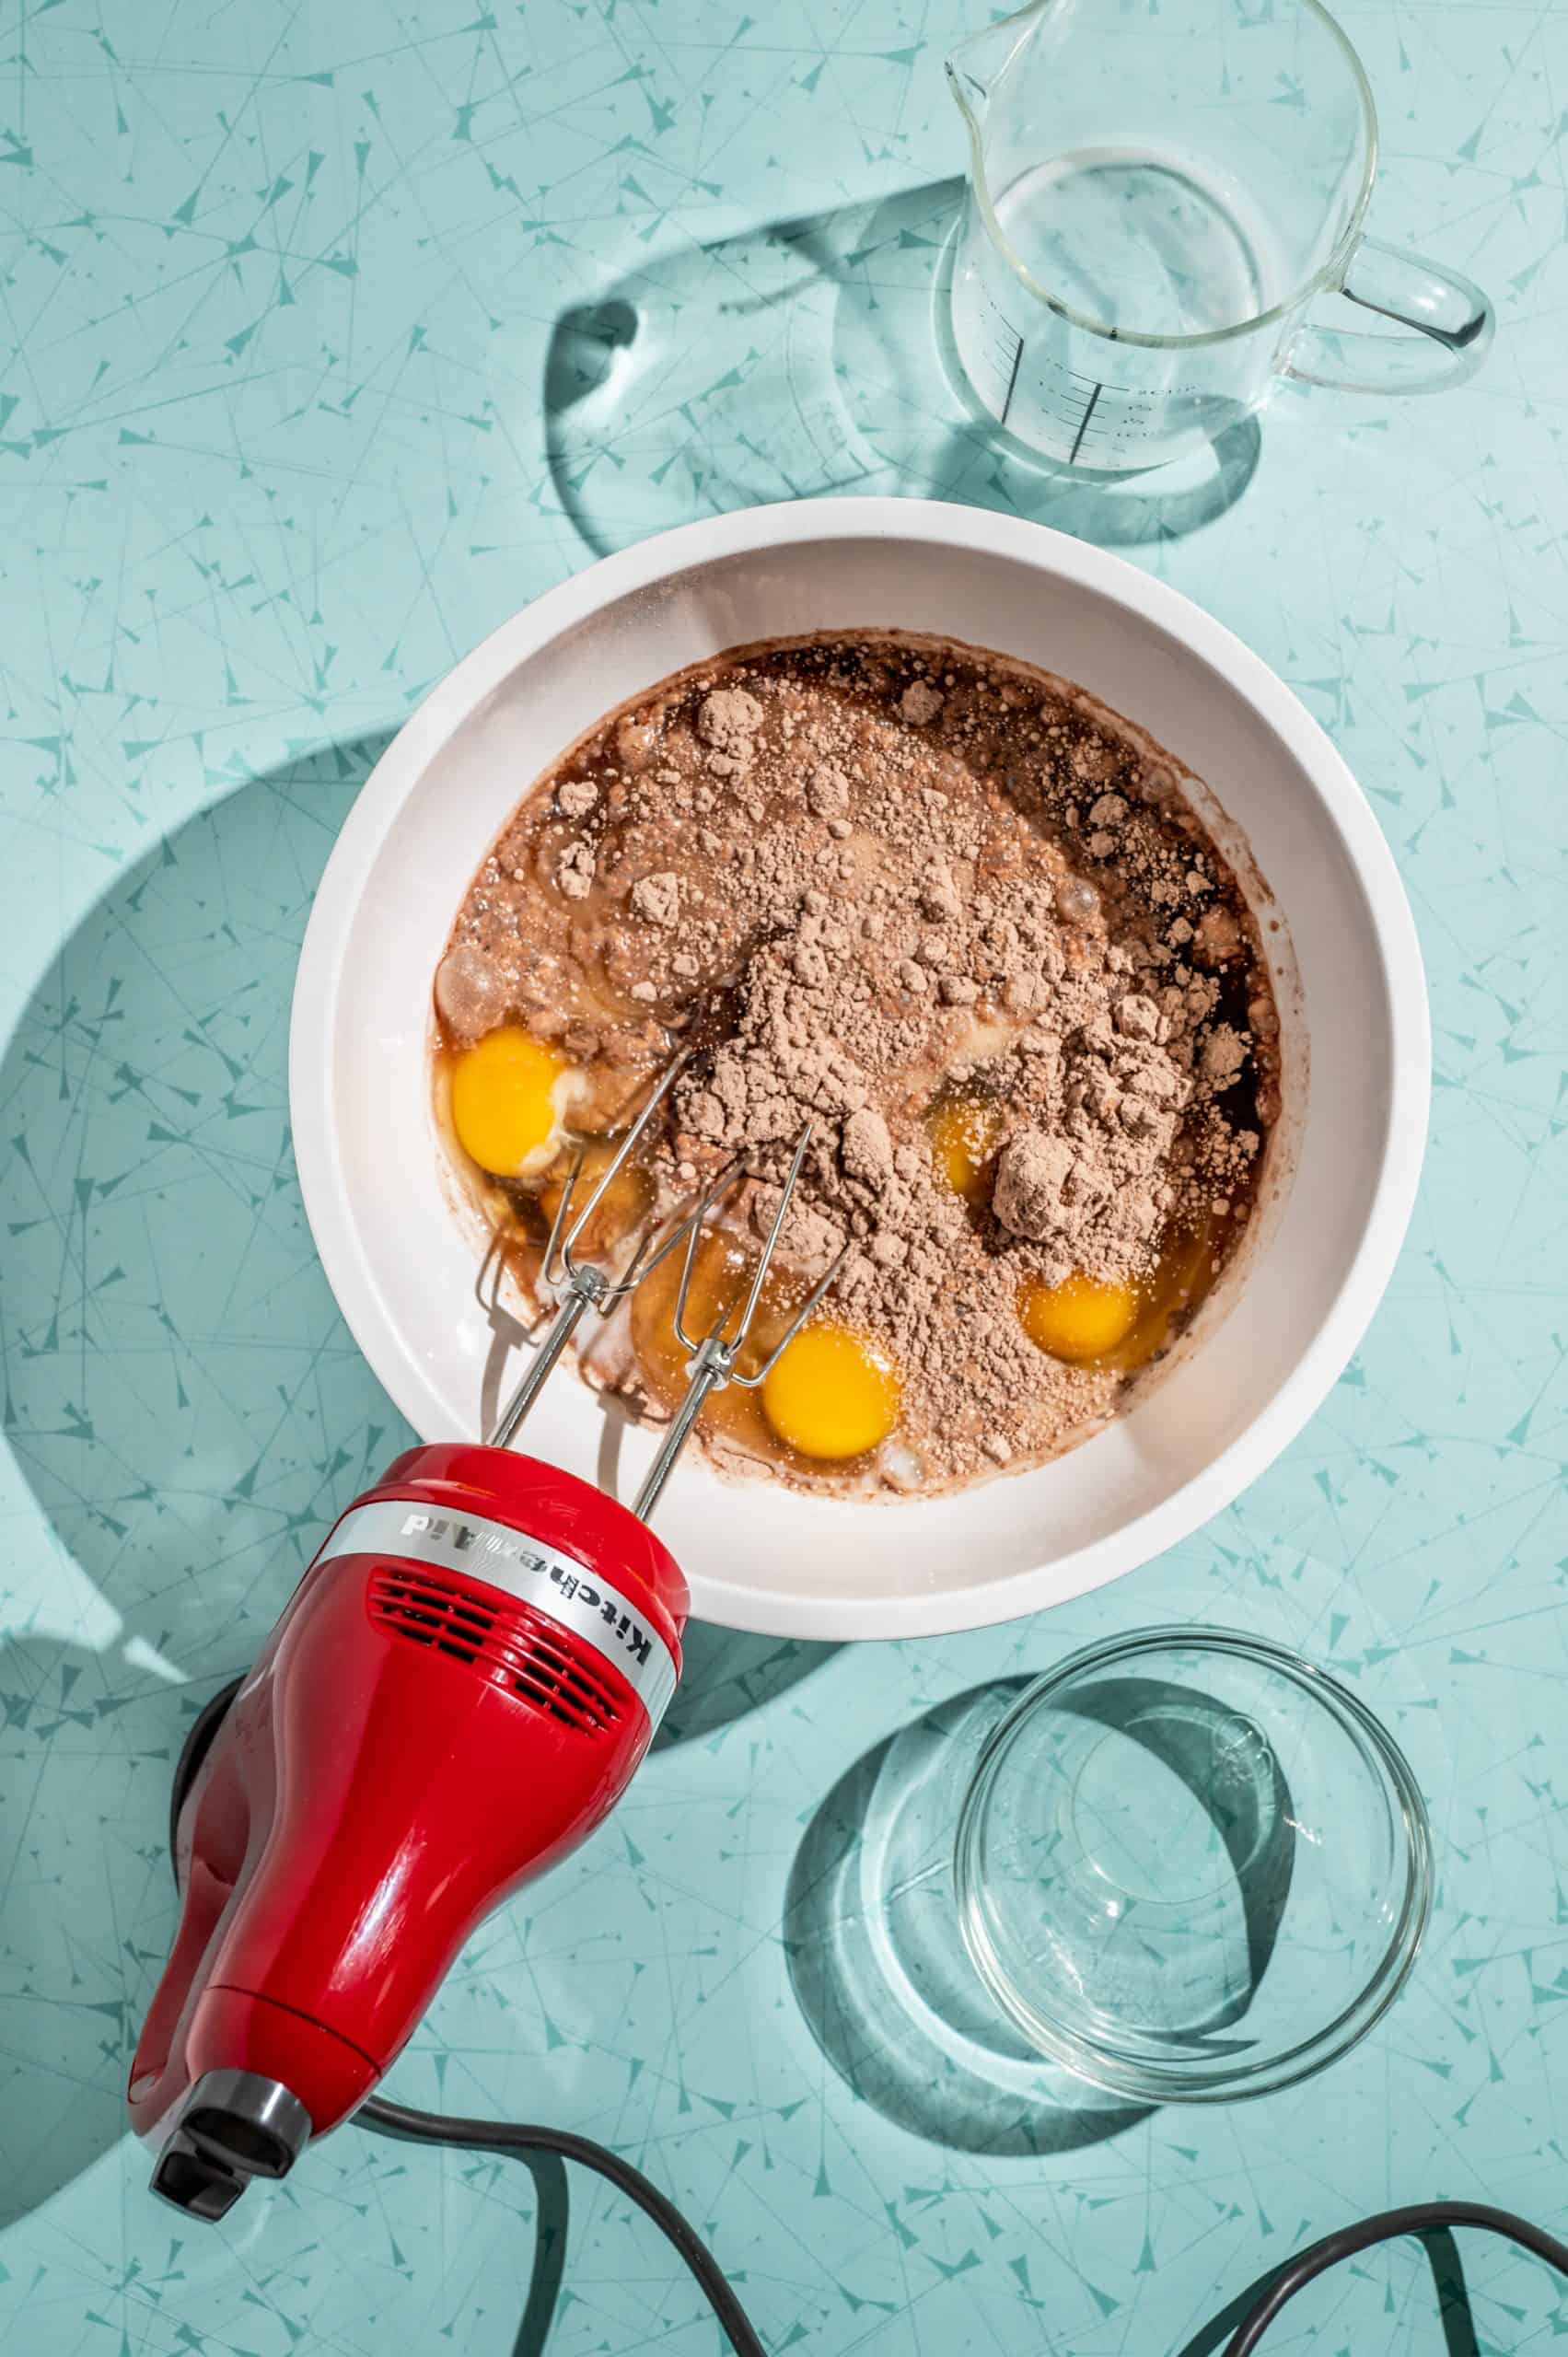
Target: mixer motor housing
x=459, y=1691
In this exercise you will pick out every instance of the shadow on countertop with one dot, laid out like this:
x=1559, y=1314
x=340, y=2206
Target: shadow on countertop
x=877, y=1965
x=811, y=357
x=726, y=1675
x=170, y=1337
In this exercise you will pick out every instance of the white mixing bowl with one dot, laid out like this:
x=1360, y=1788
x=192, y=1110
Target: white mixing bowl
x=1270, y=1340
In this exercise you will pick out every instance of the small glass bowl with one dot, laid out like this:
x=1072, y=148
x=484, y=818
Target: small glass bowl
x=1192, y=1867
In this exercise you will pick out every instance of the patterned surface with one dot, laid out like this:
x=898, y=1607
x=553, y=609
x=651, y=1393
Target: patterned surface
x=281, y=287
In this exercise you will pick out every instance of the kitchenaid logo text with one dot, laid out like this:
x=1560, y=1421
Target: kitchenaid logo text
x=588, y=1604
x=466, y=1538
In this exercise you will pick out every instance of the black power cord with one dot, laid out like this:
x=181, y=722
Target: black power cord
x=1387, y=2225
x=501, y=2136
x=1420, y=2218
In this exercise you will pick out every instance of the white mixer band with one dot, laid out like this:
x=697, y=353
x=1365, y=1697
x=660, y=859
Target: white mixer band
x=583, y=1602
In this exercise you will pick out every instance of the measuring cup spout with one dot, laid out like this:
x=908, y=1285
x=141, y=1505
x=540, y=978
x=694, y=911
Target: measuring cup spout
x=1149, y=240
x=979, y=60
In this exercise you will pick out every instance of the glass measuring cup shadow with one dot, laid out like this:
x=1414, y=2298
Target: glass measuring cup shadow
x=872, y=1933
x=812, y=357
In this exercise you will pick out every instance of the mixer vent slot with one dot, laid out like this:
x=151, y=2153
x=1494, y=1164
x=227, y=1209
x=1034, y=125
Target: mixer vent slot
x=510, y=1644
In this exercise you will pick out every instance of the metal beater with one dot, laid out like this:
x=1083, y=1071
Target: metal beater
x=581, y=1284
x=711, y=1357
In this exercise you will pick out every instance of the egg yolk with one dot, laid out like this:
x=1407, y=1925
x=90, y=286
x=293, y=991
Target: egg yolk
x=505, y=1101
x=964, y=1132
x=831, y=1393
x=1079, y=1319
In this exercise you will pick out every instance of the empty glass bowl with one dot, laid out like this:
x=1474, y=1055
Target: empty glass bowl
x=1192, y=1866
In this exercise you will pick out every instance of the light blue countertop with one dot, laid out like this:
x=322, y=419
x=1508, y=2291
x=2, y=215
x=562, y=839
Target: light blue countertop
x=304, y=314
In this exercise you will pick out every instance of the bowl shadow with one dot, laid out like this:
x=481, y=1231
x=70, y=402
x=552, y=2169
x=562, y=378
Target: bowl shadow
x=169, y=1340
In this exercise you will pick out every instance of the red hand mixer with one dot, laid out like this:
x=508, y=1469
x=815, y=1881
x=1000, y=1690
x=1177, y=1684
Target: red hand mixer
x=459, y=1692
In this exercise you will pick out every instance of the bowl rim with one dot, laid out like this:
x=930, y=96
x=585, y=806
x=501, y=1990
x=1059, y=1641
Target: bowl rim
x=1100, y=2061
x=915, y=523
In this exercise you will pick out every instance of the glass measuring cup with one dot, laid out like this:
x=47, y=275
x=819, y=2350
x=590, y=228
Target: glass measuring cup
x=1157, y=207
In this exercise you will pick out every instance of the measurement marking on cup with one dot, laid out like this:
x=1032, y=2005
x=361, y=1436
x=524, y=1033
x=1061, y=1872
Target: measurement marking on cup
x=1084, y=423
x=1012, y=380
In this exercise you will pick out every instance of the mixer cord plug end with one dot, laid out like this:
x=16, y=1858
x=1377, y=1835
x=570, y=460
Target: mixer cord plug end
x=396, y=2120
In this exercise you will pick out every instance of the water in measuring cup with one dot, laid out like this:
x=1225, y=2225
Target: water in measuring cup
x=1136, y=241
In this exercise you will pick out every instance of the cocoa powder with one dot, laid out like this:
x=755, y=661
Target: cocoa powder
x=871, y=877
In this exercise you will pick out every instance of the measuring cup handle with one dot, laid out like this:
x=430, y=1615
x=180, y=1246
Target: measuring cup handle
x=1452, y=318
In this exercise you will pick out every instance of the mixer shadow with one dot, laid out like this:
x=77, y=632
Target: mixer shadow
x=812, y=357
x=877, y=1955
x=170, y=1334
x=726, y=1675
